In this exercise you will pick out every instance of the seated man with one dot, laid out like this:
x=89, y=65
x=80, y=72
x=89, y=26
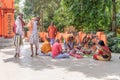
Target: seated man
x=103, y=52
x=57, y=50
x=46, y=48
x=71, y=43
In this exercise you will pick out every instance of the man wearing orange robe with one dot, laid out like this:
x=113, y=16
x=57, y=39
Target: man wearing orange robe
x=30, y=26
x=52, y=31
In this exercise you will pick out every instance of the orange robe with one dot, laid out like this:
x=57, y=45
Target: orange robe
x=80, y=36
x=30, y=26
x=102, y=36
x=66, y=37
x=52, y=30
x=43, y=35
x=59, y=36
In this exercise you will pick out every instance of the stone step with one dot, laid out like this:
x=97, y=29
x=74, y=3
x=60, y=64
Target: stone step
x=6, y=45
x=5, y=42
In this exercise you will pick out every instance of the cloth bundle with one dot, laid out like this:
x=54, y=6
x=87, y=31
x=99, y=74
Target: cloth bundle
x=17, y=40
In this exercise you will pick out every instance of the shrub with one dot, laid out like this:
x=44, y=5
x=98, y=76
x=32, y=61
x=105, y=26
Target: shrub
x=113, y=43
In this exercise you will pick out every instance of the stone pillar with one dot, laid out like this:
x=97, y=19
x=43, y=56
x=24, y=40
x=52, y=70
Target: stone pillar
x=6, y=18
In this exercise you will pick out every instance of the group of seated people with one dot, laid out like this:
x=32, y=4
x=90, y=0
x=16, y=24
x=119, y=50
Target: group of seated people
x=97, y=48
x=55, y=51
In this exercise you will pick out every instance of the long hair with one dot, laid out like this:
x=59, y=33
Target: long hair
x=101, y=42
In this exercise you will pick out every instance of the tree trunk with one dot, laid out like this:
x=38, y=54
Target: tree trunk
x=114, y=17
x=43, y=21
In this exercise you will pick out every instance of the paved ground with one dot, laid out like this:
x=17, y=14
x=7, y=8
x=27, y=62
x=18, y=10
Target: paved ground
x=46, y=68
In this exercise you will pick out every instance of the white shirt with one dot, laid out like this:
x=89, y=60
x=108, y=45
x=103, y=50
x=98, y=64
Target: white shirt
x=35, y=27
x=18, y=25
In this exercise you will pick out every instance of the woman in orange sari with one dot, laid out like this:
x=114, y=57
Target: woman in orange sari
x=103, y=52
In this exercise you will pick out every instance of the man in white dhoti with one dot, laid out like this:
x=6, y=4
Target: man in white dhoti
x=34, y=38
x=19, y=32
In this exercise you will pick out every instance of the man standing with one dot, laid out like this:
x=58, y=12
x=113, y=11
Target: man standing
x=19, y=32
x=52, y=31
x=34, y=39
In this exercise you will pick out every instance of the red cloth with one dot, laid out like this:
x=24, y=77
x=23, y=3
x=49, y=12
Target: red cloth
x=95, y=56
x=105, y=48
x=56, y=49
x=23, y=24
x=100, y=52
x=78, y=56
x=14, y=28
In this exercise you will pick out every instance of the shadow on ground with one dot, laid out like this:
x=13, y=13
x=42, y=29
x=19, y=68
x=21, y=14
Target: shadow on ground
x=87, y=66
